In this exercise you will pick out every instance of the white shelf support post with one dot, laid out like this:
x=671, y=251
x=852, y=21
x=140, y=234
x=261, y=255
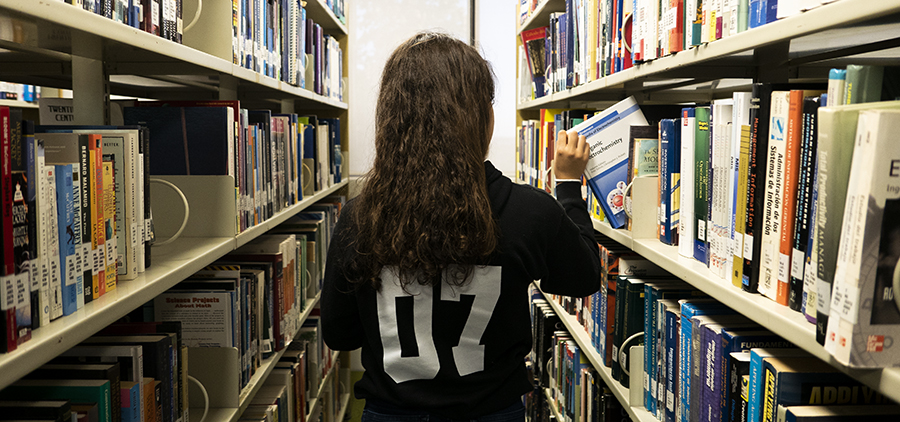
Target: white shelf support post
x=90, y=97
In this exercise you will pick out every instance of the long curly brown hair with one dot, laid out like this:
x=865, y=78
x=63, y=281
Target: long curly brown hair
x=424, y=209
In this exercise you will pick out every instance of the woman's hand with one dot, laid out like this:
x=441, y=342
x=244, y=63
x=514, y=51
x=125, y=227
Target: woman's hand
x=572, y=153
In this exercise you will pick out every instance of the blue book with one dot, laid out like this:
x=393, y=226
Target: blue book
x=756, y=13
x=734, y=341
x=65, y=206
x=669, y=180
x=690, y=309
x=673, y=387
x=563, y=28
x=607, y=133
x=130, y=392
x=771, y=11
x=756, y=373
x=571, y=48
x=652, y=292
x=710, y=359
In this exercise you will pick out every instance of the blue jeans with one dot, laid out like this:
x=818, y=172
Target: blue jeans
x=381, y=413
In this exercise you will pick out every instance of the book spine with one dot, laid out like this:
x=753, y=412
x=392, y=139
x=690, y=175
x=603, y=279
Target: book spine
x=701, y=184
x=6, y=219
x=34, y=202
x=740, y=203
x=664, y=208
x=65, y=211
x=650, y=345
x=109, y=216
x=84, y=157
x=77, y=252
x=673, y=356
x=837, y=85
x=756, y=185
x=686, y=219
x=737, y=370
x=807, y=158
x=774, y=194
x=808, y=306
x=789, y=196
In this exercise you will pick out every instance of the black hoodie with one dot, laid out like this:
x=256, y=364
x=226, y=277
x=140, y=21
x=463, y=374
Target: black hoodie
x=421, y=338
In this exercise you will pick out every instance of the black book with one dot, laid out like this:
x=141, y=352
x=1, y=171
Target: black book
x=263, y=120
x=803, y=218
x=101, y=371
x=45, y=410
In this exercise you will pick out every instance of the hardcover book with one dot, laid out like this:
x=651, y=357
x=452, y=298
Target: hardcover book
x=607, y=133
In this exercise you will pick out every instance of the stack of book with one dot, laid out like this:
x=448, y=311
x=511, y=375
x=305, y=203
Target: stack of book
x=21, y=92
x=157, y=17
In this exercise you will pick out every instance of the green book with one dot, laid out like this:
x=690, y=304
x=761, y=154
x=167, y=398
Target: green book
x=74, y=390
x=837, y=129
x=863, y=84
x=701, y=183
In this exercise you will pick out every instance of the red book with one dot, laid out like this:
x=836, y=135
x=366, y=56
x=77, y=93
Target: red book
x=8, y=341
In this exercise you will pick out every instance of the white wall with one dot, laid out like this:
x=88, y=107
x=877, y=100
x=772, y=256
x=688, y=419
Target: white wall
x=377, y=27
x=495, y=30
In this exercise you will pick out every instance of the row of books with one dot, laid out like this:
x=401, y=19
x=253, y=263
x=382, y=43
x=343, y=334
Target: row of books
x=592, y=39
x=755, y=187
x=702, y=361
x=275, y=159
x=76, y=198
x=278, y=39
x=74, y=221
x=566, y=383
x=157, y=17
x=21, y=92
x=252, y=299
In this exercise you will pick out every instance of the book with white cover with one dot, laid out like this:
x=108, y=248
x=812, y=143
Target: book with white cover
x=607, y=133
x=775, y=156
x=686, y=220
x=863, y=310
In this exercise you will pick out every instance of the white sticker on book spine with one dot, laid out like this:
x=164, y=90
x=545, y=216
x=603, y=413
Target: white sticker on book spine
x=797, y=260
x=34, y=274
x=154, y=12
x=844, y=302
x=95, y=257
x=748, y=246
x=71, y=269
x=23, y=295
x=8, y=293
x=701, y=230
x=784, y=261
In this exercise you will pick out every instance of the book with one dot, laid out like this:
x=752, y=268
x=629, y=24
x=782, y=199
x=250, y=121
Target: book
x=740, y=214
x=47, y=410
x=689, y=309
x=739, y=341
x=99, y=371
x=130, y=401
x=721, y=171
x=686, y=219
x=606, y=132
x=863, y=312
x=841, y=413
x=837, y=129
x=792, y=381
x=837, y=86
x=738, y=375
x=863, y=84
x=90, y=390
x=670, y=180
x=756, y=380
x=86, y=412
x=534, y=42
x=69, y=270
x=803, y=216
x=98, y=216
x=774, y=194
x=109, y=223
x=195, y=140
x=701, y=184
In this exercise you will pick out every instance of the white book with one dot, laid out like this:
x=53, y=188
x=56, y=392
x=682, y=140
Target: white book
x=721, y=216
x=42, y=232
x=864, y=313
x=607, y=134
x=52, y=224
x=771, y=233
x=686, y=220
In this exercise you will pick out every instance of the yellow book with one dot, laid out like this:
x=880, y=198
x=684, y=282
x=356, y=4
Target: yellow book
x=98, y=236
x=740, y=212
x=109, y=216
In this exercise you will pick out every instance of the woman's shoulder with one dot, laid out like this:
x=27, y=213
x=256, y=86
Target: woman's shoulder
x=524, y=195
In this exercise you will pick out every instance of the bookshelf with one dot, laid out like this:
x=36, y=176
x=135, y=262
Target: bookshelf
x=576, y=330
x=58, y=45
x=799, y=48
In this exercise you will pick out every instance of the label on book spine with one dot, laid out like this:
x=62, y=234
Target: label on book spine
x=748, y=246
x=23, y=295
x=784, y=261
x=95, y=258
x=7, y=293
x=797, y=264
x=701, y=229
x=33, y=275
x=71, y=269
x=845, y=302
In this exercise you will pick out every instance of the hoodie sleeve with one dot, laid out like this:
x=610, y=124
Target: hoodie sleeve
x=573, y=257
x=341, y=324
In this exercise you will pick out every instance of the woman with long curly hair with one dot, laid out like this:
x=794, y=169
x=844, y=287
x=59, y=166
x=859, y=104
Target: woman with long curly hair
x=429, y=267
